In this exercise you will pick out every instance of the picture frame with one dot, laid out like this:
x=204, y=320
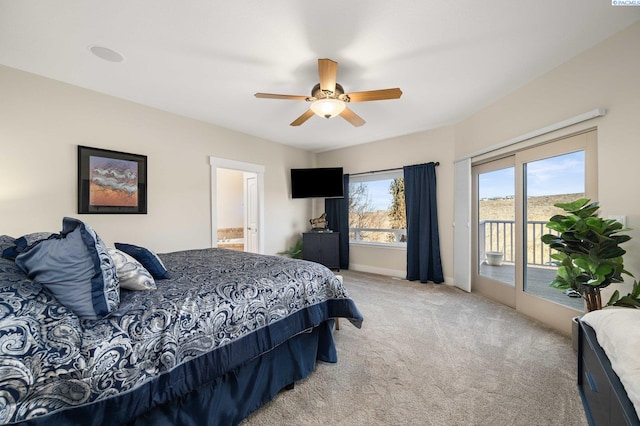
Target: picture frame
x=111, y=182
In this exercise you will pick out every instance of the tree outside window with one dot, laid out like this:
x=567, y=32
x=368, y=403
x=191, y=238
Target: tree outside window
x=377, y=209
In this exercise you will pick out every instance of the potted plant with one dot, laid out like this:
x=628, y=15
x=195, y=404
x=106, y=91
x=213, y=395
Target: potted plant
x=631, y=300
x=494, y=258
x=588, y=252
x=294, y=252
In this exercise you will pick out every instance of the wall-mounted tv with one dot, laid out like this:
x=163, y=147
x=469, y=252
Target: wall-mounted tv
x=318, y=182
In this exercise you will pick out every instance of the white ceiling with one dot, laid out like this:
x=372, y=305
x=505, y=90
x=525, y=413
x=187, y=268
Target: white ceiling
x=206, y=59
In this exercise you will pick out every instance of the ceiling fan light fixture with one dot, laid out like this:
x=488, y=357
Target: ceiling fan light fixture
x=328, y=98
x=327, y=107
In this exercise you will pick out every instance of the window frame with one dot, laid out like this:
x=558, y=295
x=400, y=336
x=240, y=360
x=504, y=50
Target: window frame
x=555, y=315
x=373, y=177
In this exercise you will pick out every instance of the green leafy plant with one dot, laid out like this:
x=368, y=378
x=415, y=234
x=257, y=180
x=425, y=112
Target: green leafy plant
x=294, y=252
x=588, y=252
x=631, y=300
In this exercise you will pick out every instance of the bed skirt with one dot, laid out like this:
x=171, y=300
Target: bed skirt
x=226, y=400
x=235, y=395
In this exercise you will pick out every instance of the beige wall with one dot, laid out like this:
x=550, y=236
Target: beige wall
x=41, y=123
x=606, y=76
x=423, y=147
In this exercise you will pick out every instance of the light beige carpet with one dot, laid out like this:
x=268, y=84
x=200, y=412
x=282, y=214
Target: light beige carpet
x=431, y=354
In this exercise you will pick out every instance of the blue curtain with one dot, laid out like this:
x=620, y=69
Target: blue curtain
x=337, y=210
x=423, y=240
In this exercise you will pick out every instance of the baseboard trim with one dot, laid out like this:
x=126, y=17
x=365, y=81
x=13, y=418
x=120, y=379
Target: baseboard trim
x=388, y=272
x=380, y=271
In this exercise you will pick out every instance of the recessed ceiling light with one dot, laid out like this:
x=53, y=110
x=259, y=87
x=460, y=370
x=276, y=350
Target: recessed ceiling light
x=106, y=53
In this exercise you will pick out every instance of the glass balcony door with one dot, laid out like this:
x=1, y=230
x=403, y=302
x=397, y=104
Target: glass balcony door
x=494, y=212
x=514, y=198
x=551, y=180
x=557, y=172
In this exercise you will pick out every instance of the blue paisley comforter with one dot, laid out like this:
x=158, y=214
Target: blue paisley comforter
x=219, y=309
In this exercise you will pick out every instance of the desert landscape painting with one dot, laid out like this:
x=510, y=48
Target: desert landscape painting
x=114, y=182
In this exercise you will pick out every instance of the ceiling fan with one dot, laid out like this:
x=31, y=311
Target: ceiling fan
x=328, y=98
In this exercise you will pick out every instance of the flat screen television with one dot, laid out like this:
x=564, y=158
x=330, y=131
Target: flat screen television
x=318, y=182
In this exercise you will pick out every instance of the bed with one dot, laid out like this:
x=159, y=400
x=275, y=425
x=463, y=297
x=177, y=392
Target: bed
x=609, y=366
x=217, y=339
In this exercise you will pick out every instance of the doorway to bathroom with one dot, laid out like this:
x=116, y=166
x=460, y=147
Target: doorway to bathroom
x=237, y=205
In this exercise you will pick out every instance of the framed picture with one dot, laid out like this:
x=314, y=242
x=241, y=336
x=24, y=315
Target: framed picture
x=111, y=181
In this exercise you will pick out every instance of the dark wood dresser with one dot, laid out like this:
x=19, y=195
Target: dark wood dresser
x=322, y=247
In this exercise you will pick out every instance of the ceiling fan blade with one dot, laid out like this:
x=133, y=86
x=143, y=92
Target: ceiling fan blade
x=274, y=96
x=352, y=117
x=375, y=95
x=328, y=71
x=304, y=117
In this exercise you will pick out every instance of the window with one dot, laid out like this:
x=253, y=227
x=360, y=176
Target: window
x=377, y=209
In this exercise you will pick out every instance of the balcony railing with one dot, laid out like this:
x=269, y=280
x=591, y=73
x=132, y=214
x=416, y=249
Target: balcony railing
x=378, y=235
x=493, y=235
x=496, y=236
x=499, y=236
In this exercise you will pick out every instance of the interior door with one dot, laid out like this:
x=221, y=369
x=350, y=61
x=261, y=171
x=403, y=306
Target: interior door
x=254, y=170
x=252, y=214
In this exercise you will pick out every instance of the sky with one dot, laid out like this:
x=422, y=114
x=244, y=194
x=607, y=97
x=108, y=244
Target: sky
x=379, y=193
x=563, y=174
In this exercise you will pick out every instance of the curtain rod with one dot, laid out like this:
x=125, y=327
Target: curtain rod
x=437, y=163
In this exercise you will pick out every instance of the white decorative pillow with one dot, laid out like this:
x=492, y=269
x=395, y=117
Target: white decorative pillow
x=131, y=274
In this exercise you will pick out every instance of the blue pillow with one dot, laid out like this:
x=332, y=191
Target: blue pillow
x=7, y=244
x=76, y=268
x=148, y=258
x=24, y=243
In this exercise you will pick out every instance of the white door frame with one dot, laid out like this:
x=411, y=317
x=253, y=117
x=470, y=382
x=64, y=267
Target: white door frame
x=258, y=169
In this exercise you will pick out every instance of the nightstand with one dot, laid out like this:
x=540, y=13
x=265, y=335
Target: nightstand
x=322, y=247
